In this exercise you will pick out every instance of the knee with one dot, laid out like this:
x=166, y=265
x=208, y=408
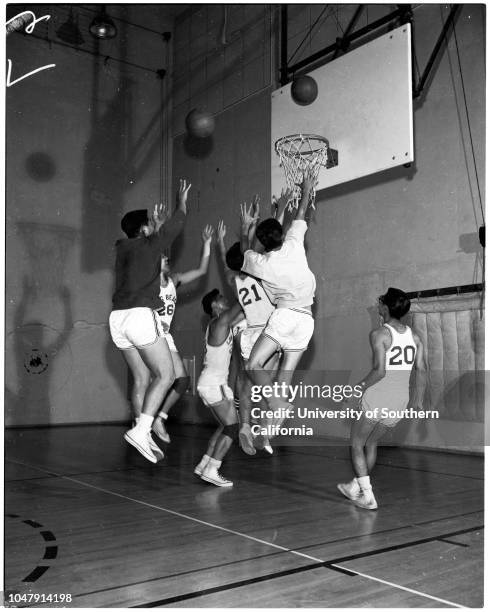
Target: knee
x=357, y=446
x=181, y=384
x=165, y=377
x=231, y=431
x=141, y=380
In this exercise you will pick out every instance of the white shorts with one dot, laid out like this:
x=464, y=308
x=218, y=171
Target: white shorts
x=248, y=338
x=239, y=327
x=391, y=397
x=170, y=341
x=134, y=327
x=290, y=329
x=213, y=394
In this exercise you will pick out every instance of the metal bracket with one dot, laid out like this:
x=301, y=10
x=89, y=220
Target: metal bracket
x=332, y=158
x=418, y=89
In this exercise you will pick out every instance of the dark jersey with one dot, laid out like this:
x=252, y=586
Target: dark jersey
x=138, y=264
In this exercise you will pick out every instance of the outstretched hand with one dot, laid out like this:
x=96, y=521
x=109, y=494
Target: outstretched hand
x=183, y=192
x=249, y=214
x=309, y=182
x=207, y=234
x=221, y=230
x=282, y=202
x=159, y=215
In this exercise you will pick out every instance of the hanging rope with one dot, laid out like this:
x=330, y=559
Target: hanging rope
x=468, y=121
x=162, y=137
x=308, y=34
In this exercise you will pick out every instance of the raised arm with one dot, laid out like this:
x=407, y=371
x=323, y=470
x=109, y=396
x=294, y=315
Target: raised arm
x=229, y=316
x=168, y=230
x=252, y=238
x=246, y=220
x=182, y=195
x=281, y=204
x=307, y=186
x=191, y=275
x=220, y=235
x=248, y=216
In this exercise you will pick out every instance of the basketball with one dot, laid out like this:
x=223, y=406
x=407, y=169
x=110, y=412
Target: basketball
x=199, y=123
x=304, y=90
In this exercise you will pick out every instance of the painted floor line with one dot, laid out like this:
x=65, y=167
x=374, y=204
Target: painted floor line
x=240, y=534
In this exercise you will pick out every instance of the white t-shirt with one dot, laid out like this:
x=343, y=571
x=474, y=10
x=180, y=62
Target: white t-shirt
x=285, y=275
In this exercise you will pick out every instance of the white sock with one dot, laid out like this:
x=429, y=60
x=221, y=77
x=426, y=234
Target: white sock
x=214, y=463
x=354, y=484
x=145, y=422
x=162, y=415
x=365, y=484
x=204, y=461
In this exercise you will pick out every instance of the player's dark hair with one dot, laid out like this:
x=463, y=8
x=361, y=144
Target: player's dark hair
x=269, y=233
x=234, y=257
x=132, y=222
x=397, y=302
x=207, y=301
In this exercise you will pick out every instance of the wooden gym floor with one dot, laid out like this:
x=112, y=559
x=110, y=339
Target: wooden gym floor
x=86, y=515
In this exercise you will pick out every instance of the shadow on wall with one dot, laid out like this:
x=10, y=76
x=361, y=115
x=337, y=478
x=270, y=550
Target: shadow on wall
x=368, y=182
x=113, y=161
x=39, y=361
x=105, y=176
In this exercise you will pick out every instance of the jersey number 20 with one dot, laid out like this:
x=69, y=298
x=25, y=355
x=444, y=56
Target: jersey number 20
x=408, y=355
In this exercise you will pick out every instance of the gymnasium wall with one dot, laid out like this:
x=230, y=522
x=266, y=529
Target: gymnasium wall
x=414, y=228
x=83, y=142
x=231, y=80
x=411, y=228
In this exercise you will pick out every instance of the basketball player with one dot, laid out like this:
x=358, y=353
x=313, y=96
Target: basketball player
x=290, y=284
x=169, y=283
x=213, y=388
x=134, y=326
x=257, y=308
x=396, y=350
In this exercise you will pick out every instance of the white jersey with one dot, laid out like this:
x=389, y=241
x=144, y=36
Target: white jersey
x=254, y=301
x=166, y=311
x=401, y=354
x=392, y=391
x=216, y=363
x=285, y=274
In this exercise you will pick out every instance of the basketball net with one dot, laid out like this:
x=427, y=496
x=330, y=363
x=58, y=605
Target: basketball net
x=47, y=247
x=298, y=153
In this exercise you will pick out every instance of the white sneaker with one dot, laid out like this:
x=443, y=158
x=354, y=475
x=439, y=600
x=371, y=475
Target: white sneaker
x=141, y=442
x=160, y=430
x=214, y=477
x=246, y=440
x=349, y=490
x=262, y=443
x=157, y=451
x=268, y=447
x=198, y=470
x=366, y=502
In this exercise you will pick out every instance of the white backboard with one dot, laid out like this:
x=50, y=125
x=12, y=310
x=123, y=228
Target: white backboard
x=363, y=107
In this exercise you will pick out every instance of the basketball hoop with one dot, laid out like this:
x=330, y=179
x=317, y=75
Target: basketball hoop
x=301, y=152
